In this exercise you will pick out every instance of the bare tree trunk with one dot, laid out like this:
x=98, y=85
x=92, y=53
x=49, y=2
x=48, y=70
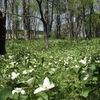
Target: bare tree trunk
x=84, y=19
x=25, y=18
x=44, y=19
x=90, y=20
x=77, y=23
x=58, y=27
x=51, y=18
x=46, y=25
x=12, y=19
x=28, y=19
x=17, y=22
x=68, y=20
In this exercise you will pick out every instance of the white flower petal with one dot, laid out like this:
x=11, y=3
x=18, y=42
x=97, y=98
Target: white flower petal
x=13, y=92
x=38, y=90
x=51, y=86
x=46, y=83
x=86, y=77
x=13, y=73
x=24, y=72
x=30, y=81
x=23, y=92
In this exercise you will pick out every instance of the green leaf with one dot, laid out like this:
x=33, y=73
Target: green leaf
x=92, y=67
x=23, y=97
x=86, y=91
x=40, y=98
x=5, y=93
x=44, y=95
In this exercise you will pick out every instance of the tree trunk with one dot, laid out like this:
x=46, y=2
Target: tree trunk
x=58, y=27
x=51, y=19
x=25, y=19
x=68, y=21
x=46, y=25
x=85, y=26
x=44, y=19
x=12, y=18
x=46, y=36
x=16, y=22
x=90, y=21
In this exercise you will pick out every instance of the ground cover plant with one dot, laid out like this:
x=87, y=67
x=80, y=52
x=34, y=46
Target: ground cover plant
x=66, y=71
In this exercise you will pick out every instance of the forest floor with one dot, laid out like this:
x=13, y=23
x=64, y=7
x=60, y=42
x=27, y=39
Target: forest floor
x=66, y=71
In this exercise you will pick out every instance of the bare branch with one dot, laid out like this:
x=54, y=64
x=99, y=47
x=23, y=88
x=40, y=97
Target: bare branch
x=21, y=15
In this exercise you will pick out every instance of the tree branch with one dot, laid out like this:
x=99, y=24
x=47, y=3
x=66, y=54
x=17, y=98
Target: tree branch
x=21, y=15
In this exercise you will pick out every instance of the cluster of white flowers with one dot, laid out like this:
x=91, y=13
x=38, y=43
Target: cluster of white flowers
x=28, y=71
x=46, y=86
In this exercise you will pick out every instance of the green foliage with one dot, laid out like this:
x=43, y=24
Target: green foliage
x=73, y=67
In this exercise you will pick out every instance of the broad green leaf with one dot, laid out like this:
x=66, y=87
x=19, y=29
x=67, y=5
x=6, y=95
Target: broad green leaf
x=92, y=67
x=44, y=95
x=5, y=93
x=40, y=98
x=23, y=97
x=86, y=91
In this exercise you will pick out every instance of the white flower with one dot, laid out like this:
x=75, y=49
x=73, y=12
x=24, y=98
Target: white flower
x=12, y=63
x=34, y=65
x=14, y=75
x=49, y=63
x=55, y=62
x=53, y=69
x=46, y=86
x=7, y=66
x=67, y=68
x=29, y=81
x=59, y=60
x=83, y=61
x=24, y=72
x=10, y=57
x=34, y=59
x=51, y=57
x=31, y=70
x=86, y=77
x=76, y=66
x=97, y=61
x=65, y=62
x=18, y=90
x=83, y=71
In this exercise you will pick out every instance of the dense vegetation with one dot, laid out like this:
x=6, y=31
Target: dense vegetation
x=73, y=68
x=63, y=68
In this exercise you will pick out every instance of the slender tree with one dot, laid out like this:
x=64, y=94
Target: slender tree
x=26, y=18
x=44, y=19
